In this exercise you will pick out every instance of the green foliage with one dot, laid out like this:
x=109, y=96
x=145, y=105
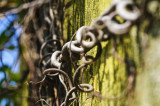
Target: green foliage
x=3, y=39
x=11, y=47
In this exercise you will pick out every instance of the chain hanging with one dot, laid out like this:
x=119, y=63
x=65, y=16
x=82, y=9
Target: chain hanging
x=76, y=50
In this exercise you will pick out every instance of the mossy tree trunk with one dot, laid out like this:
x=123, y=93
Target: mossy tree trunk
x=113, y=75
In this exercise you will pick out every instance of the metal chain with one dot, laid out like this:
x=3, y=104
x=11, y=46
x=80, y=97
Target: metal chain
x=87, y=37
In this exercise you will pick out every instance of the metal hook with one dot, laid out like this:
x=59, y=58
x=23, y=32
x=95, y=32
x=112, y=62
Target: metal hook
x=81, y=86
x=75, y=49
x=131, y=15
x=54, y=60
x=116, y=28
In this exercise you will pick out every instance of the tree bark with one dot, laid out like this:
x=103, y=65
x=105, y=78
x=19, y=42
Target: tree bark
x=113, y=74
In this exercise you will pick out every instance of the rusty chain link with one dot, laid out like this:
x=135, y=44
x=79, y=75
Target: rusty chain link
x=87, y=37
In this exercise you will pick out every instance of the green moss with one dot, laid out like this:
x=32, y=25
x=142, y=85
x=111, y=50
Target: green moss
x=108, y=73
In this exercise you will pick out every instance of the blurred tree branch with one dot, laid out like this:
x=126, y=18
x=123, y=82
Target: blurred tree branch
x=24, y=6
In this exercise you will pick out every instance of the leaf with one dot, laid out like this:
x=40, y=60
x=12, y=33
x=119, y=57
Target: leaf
x=11, y=47
x=7, y=69
x=15, y=77
x=3, y=38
